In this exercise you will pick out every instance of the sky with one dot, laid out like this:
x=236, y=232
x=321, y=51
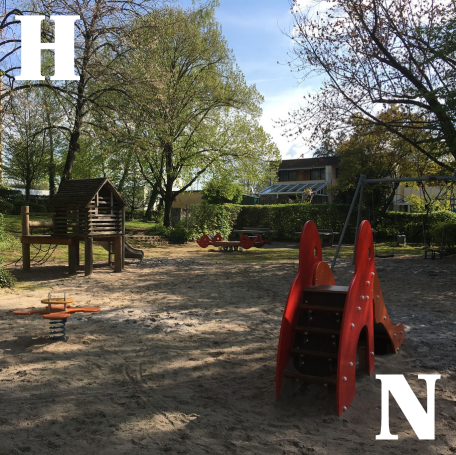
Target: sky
x=254, y=31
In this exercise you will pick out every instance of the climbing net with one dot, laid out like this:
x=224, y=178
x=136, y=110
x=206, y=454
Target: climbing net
x=47, y=255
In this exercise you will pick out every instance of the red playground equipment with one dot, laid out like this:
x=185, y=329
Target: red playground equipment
x=57, y=311
x=246, y=242
x=324, y=326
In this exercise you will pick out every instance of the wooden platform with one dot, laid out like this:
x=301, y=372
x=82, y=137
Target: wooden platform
x=46, y=240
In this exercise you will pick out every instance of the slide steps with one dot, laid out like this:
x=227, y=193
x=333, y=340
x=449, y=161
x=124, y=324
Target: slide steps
x=329, y=331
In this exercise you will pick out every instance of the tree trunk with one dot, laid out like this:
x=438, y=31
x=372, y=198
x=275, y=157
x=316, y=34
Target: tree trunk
x=169, y=199
x=388, y=202
x=73, y=146
x=51, y=169
x=152, y=199
x=28, y=184
x=169, y=196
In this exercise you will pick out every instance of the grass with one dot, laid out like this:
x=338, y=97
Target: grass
x=13, y=227
x=258, y=255
x=137, y=224
x=253, y=255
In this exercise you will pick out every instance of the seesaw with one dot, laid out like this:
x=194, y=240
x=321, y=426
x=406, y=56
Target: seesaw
x=324, y=326
x=246, y=242
x=57, y=311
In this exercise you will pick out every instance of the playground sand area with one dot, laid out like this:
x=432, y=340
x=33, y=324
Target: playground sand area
x=181, y=359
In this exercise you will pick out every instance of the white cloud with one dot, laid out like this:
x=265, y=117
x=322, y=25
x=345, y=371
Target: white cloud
x=276, y=108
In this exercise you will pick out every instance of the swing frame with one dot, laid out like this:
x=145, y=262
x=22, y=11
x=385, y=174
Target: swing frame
x=360, y=190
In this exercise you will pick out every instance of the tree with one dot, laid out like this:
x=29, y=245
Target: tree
x=377, y=153
x=26, y=157
x=374, y=54
x=222, y=190
x=202, y=114
x=100, y=41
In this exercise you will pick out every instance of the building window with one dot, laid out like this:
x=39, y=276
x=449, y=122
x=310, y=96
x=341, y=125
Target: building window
x=283, y=176
x=292, y=176
x=317, y=174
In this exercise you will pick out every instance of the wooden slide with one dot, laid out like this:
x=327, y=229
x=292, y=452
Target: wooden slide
x=324, y=326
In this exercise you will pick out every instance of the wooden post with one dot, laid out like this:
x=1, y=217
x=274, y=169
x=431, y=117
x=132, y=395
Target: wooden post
x=76, y=253
x=123, y=238
x=72, y=266
x=118, y=254
x=25, y=218
x=88, y=256
x=110, y=252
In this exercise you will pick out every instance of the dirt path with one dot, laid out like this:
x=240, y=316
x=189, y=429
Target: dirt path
x=181, y=359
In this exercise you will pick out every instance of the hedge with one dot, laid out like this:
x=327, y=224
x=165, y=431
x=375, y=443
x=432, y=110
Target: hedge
x=287, y=219
x=411, y=225
x=11, y=202
x=213, y=218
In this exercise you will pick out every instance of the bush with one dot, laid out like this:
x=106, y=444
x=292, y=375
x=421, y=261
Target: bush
x=5, y=206
x=157, y=216
x=6, y=279
x=444, y=234
x=180, y=234
x=411, y=225
x=287, y=219
x=6, y=242
x=9, y=195
x=212, y=219
x=222, y=191
x=159, y=229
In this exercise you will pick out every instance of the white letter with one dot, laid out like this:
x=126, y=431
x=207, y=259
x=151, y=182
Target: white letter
x=31, y=46
x=422, y=423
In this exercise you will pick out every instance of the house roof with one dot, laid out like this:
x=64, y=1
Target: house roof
x=309, y=163
x=81, y=192
x=294, y=188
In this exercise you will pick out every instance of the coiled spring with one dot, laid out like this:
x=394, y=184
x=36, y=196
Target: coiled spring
x=57, y=329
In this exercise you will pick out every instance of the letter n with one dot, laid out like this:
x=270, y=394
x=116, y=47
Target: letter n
x=423, y=423
x=31, y=46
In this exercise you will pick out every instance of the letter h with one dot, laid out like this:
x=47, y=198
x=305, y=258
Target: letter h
x=31, y=46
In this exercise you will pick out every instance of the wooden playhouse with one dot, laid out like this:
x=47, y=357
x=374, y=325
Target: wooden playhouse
x=85, y=210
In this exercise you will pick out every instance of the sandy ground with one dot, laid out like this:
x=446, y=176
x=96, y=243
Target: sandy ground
x=181, y=359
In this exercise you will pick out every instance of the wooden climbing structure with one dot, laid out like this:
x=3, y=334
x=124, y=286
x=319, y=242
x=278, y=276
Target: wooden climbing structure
x=85, y=210
x=56, y=311
x=325, y=327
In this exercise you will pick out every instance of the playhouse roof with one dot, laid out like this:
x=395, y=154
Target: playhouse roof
x=81, y=192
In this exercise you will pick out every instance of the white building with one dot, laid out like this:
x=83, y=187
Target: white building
x=295, y=176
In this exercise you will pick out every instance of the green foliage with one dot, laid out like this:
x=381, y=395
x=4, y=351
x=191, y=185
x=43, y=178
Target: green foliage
x=444, y=235
x=6, y=207
x=212, y=219
x=203, y=116
x=411, y=225
x=156, y=216
x=9, y=195
x=179, y=233
x=7, y=242
x=222, y=191
x=287, y=219
x=6, y=279
x=159, y=229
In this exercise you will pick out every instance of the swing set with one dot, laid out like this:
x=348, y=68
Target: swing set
x=362, y=182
